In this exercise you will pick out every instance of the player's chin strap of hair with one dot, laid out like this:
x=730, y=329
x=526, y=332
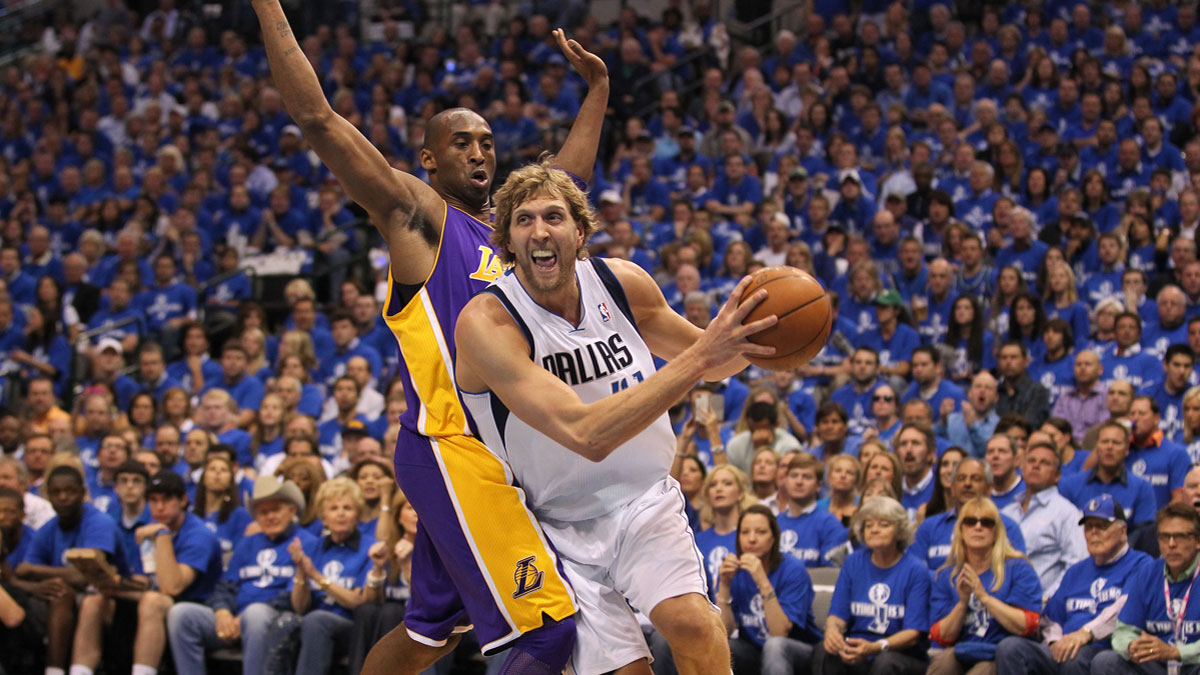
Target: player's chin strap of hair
x=544, y=651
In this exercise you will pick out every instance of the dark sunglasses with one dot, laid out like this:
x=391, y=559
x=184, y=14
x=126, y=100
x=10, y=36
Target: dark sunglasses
x=972, y=521
x=886, y=399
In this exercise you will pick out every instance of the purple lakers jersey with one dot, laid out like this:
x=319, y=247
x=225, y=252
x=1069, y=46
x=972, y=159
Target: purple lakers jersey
x=424, y=327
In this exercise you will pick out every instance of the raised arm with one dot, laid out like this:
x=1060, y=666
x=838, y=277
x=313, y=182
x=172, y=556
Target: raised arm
x=397, y=202
x=491, y=356
x=578, y=153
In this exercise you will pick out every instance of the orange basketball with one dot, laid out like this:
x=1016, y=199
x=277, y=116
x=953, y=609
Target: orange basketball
x=804, y=311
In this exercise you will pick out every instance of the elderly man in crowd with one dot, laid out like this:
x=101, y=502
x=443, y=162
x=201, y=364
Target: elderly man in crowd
x=1080, y=617
x=1158, y=629
x=254, y=587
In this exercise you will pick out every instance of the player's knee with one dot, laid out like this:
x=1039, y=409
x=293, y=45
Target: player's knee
x=687, y=620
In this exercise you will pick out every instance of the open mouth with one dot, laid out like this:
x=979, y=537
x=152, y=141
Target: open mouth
x=544, y=260
x=479, y=177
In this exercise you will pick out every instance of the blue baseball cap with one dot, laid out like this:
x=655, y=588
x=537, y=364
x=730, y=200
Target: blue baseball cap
x=1104, y=507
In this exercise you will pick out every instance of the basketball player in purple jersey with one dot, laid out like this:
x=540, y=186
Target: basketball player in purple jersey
x=480, y=557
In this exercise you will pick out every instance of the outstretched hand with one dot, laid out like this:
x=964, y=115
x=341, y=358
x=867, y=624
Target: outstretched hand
x=726, y=338
x=589, y=66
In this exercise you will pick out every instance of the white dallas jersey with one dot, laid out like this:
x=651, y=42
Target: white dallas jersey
x=601, y=356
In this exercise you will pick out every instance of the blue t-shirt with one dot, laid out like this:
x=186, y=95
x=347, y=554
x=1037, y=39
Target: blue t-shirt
x=1164, y=467
x=1137, y=366
x=1087, y=589
x=811, y=536
x=714, y=548
x=945, y=390
x=344, y=565
x=95, y=530
x=17, y=555
x=1134, y=494
x=230, y=532
x=981, y=632
x=931, y=544
x=896, y=349
x=1056, y=376
x=198, y=548
x=247, y=391
x=1148, y=611
x=262, y=568
x=794, y=589
x=876, y=602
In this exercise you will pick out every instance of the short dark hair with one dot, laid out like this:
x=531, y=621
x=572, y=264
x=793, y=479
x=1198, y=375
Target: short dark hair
x=1063, y=328
x=934, y=354
x=1014, y=343
x=1177, y=349
x=1177, y=510
x=221, y=449
x=1149, y=399
x=828, y=408
x=1013, y=420
x=65, y=470
x=134, y=467
x=761, y=411
x=341, y=315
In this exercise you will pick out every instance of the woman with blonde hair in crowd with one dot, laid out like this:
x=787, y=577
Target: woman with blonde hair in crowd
x=984, y=592
x=1062, y=299
x=885, y=465
x=1189, y=434
x=299, y=344
x=330, y=581
x=843, y=473
x=254, y=342
x=763, y=470
x=724, y=494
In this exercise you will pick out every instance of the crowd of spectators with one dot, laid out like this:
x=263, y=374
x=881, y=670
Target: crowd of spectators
x=995, y=443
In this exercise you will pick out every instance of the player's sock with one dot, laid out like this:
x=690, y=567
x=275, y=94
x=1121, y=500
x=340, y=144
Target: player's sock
x=544, y=651
x=75, y=670
x=139, y=669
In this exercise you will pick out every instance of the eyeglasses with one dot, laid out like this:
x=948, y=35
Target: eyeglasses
x=1169, y=537
x=885, y=399
x=972, y=521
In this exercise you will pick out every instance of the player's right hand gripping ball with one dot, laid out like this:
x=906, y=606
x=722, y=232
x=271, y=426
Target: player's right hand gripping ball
x=805, y=316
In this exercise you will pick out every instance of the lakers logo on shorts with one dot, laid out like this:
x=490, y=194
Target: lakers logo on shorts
x=527, y=577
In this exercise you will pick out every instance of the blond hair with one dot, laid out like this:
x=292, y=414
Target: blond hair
x=532, y=181
x=340, y=487
x=743, y=483
x=1002, y=550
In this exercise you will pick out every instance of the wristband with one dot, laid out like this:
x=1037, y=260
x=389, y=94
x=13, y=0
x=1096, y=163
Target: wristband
x=769, y=596
x=385, y=508
x=883, y=645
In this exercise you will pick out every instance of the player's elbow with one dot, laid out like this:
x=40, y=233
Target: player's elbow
x=590, y=447
x=314, y=123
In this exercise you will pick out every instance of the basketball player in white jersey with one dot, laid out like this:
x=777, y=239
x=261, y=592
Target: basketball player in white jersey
x=555, y=364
